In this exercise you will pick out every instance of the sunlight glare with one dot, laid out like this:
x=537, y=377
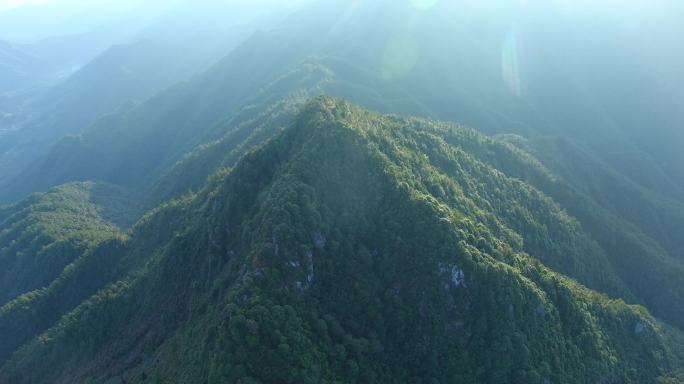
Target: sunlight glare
x=399, y=57
x=424, y=4
x=510, y=63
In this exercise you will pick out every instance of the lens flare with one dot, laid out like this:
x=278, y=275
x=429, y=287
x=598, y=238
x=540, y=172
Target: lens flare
x=510, y=63
x=399, y=57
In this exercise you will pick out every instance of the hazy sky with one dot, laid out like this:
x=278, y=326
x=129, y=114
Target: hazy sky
x=31, y=20
x=8, y=4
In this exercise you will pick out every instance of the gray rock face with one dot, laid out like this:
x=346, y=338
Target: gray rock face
x=319, y=240
x=453, y=275
x=274, y=243
x=310, y=268
x=455, y=325
x=251, y=274
x=640, y=327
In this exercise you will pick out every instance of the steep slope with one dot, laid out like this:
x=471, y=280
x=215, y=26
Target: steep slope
x=104, y=261
x=114, y=81
x=138, y=145
x=56, y=250
x=144, y=136
x=21, y=74
x=660, y=217
x=351, y=248
x=19, y=69
x=633, y=228
x=170, y=144
x=359, y=248
x=47, y=232
x=182, y=115
x=261, y=116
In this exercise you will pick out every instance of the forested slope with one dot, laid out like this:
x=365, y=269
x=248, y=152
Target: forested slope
x=355, y=247
x=45, y=233
x=250, y=226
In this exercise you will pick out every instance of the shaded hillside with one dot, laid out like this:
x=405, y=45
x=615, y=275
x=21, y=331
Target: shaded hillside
x=47, y=232
x=139, y=144
x=102, y=256
x=113, y=82
x=18, y=69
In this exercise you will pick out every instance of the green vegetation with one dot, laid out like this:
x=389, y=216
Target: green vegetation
x=359, y=248
x=57, y=249
x=47, y=232
x=242, y=228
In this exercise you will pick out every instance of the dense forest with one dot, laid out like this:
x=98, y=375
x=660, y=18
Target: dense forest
x=336, y=192
x=346, y=247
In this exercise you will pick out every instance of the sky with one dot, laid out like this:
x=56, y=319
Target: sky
x=9, y=4
x=28, y=21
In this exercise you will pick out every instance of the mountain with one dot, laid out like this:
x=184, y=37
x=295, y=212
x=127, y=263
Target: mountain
x=353, y=248
x=17, y=66
x=257, y=223
x=46, y=232
x=171, y=144
x=170, y=50
x=47, y=257
x=29, y=68
x=122, y=75
x=410, y=61
x=639, y=242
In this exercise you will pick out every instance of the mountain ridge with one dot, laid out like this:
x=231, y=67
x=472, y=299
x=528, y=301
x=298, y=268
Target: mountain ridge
x=306, y=262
